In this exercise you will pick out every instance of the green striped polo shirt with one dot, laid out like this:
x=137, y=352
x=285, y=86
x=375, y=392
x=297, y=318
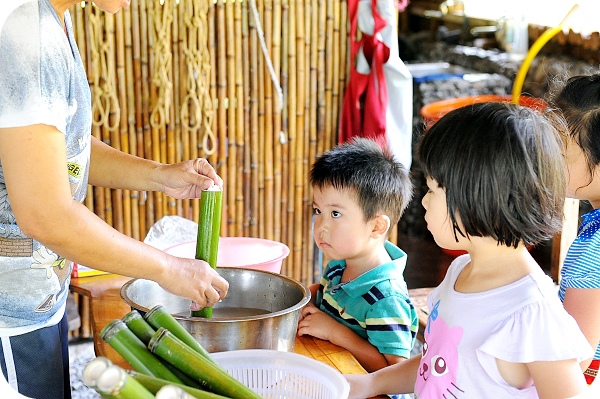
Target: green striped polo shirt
x=375, y=305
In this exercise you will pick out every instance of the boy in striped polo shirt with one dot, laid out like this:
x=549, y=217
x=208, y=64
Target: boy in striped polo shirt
x=361, y=302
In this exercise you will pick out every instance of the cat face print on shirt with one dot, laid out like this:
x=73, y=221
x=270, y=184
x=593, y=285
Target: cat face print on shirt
x=438, y=369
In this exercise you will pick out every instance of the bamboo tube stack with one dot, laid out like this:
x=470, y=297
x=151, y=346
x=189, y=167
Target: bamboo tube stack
x=178, y=79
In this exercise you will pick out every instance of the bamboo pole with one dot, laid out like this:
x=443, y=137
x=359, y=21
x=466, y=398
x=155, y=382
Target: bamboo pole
x=247, y=173
x=261, y=132
x=267, y=151
x=292, y=134
x=285, y=227
x=145, y=135
x=277, y=128
x=128, y=136
x=254, y=153
x=300, y=173
x=322, y=105
x=239, y=119
x=222, y=102
x=313, y=126
x=174, y=133
x=231, y=114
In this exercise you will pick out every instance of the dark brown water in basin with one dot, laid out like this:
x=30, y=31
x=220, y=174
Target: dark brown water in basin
x=229, y=313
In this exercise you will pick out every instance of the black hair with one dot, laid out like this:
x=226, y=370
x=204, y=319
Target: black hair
x=501, y=166
x=381, y=183
x=579, y=103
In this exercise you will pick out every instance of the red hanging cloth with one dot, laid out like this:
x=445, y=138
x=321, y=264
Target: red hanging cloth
x=366, y=98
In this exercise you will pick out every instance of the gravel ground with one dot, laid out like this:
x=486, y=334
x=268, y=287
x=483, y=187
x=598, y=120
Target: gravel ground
x=80, y=353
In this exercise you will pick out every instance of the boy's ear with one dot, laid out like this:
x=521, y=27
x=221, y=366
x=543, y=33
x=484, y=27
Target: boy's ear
x=381, y=226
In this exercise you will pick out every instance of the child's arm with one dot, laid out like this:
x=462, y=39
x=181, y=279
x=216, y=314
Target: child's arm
x=570, y=383
x=397, y=378
x=584, y=305
x=319, y=324
x=313, y=288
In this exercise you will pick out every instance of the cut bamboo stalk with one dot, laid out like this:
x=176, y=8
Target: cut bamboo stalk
x=171, y=349
x=209, y=226
x=134, y=351
x=158, y=317
x=116, y=382
x=93, y=369
x=136, y=323
x=155, y=385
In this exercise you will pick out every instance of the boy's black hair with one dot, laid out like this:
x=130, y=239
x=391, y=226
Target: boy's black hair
x=501, y=166
x=579, y=102
x=381, y=184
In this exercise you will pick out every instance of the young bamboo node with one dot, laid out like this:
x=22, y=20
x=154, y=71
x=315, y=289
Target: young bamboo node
x=154, y=385
x=171, y=349
x=172, y=392
x=134, y=351
x=159, y=317
x=116, y=382
x=144, y=331
x=209, y=228
x=92, y=370
x=140, y=327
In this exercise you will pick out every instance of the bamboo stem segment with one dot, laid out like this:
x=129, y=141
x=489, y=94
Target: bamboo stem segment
x=159, y=317
x=115, y=381
x=154, y=385
x=209, y=227
x=134, y=351
x=174, y=351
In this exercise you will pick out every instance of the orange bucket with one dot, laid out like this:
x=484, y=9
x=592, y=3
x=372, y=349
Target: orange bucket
x=432, y=112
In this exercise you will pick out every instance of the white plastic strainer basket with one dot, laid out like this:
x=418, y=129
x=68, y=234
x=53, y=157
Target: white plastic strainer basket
x=283, y=375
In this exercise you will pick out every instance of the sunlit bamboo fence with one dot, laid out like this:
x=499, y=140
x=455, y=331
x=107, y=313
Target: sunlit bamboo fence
x=174, y=80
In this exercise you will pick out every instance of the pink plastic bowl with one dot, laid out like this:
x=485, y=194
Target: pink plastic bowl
x=246, y=252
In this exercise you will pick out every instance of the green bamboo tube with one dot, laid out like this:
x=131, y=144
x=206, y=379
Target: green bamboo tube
x=92, y=370
x=158, y=317
x=154, y=384
x=116, y=382
x=209, y=227
x=173, y=392
x=134, y=351
x=136, y=323
x=174, y=351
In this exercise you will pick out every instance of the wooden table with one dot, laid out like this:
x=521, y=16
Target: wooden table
x=106, y=305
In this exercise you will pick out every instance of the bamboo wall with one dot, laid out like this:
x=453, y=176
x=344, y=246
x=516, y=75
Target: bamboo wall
x=174, y=80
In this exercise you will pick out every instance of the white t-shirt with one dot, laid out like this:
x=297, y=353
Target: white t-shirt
x=42, y=81
x=521, y=322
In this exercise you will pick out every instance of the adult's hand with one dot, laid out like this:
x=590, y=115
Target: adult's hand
x=196, y=280
x=187, y=179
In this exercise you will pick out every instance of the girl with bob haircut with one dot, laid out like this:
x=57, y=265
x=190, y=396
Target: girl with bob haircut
x=496, y=327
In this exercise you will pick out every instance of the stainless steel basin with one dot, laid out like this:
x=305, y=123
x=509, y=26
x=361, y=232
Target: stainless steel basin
x=260, y=311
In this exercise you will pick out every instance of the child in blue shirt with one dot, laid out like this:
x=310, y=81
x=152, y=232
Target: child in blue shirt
x=361, y=302
x=579, y=101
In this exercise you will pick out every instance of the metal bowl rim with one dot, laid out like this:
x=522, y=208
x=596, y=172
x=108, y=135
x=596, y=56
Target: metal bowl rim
x=305, y=299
